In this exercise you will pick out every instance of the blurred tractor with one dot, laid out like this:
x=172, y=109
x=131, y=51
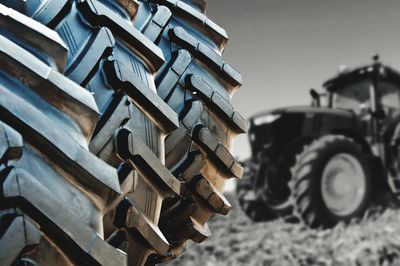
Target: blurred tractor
x=326, y=164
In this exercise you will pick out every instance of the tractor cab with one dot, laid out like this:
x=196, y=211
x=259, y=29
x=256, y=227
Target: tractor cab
x=326, y=163
x=372, y=93
x=373, y=89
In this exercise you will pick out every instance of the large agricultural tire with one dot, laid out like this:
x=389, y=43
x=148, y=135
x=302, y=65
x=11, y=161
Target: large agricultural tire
x=331, y=182
x=54, y=192
x=95, y=158
x=198, y=84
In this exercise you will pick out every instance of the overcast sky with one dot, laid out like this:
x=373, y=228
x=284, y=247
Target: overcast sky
x=285, y=47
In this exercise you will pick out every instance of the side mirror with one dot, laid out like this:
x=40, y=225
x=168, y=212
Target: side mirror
x=316, y=98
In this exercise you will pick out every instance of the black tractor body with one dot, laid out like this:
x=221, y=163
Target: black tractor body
x=313, y=162
x=281, y=129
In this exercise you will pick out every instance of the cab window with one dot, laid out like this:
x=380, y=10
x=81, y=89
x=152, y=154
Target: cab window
x=355, y=97
x=389, y=99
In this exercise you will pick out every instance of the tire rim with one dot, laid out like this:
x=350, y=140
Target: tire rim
x=343, y=184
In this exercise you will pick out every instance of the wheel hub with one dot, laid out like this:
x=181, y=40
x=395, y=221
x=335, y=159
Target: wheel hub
x=343, y=184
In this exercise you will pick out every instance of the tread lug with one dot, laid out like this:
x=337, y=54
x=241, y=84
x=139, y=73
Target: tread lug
x=155, y=108
x=35, y=35
x=132, y=148
x=11, y=143
x=99, y=14
x=157, y=24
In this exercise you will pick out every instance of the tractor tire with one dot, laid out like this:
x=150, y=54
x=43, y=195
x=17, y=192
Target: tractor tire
x=83, y=126
x=82, y=169
x=331, y=182
x=198, y=85
x=261, y=201
x=276, y=199
x=253, y=207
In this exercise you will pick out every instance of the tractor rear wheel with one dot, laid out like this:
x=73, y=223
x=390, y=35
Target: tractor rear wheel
x=331, y=182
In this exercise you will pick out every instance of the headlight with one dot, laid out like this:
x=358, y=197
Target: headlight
x=265, y=119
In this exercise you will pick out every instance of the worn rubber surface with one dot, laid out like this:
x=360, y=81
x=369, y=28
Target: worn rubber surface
x=84, y=122
x=305, y=185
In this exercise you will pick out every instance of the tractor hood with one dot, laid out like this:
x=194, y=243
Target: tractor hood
x=273, y=114
x=279, y=127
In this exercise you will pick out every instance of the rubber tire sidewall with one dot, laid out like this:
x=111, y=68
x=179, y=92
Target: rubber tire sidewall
x=325, y=153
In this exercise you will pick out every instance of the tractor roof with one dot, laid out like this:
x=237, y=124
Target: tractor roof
x=362, y=73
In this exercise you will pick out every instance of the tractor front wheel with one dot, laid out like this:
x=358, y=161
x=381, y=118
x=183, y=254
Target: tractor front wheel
x=331, y=182
x=252, y=205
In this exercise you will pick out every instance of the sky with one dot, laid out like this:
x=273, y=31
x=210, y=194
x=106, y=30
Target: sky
x=285, y=47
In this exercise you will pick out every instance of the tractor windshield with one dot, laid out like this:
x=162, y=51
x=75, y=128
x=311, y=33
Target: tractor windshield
x=355, y=97
x=389, y=99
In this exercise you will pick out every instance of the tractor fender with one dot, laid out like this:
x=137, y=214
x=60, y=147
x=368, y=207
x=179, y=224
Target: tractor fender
x=356, y=136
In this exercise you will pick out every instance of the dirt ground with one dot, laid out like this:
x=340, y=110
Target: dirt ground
x=238, y=241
